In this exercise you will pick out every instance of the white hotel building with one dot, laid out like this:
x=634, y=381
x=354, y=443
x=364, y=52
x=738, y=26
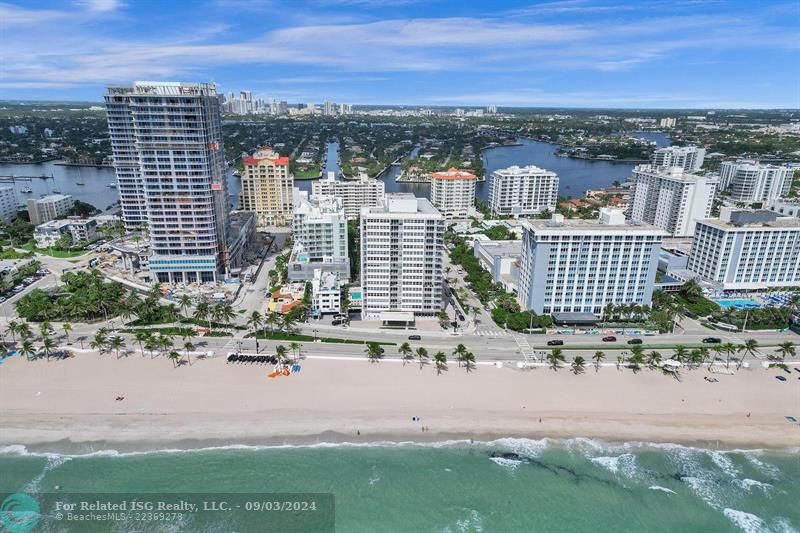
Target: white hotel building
x=689, y=158
x=453, y=192
x=747, y=250
x=319, y=229
x=579, y=266
x=749, y=181
x=522, y=191
x=671, y=199
x=401, y=259
x=355, y=194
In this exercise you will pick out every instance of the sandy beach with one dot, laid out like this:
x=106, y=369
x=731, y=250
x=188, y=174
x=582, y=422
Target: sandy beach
x=70, y=404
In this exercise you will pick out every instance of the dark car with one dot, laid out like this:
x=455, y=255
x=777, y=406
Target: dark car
x=635, y=341
x=610, y=338
x=555, y=342
x=712, y=340
x=780, y=378
x=414, y=338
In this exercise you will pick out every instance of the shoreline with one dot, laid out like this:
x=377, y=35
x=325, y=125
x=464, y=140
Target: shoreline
x=69, y=405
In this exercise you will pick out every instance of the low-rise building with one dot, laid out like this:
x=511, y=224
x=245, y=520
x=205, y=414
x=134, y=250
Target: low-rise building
x=580, y=266
x=80, y=230
x=326, y=292
x=286, y=298
x=453, y=192
x=746, y=250
x=501, y=259
x=355, y=194
x=51, y=207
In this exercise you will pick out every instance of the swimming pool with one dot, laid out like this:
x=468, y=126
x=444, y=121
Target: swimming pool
x=738, y=303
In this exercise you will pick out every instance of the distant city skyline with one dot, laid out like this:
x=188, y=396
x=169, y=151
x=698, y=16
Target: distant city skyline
x=563, y=53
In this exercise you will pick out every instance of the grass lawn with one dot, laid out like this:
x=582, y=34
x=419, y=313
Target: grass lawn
x=307, y=175
x=280, y=336
x=52, y=252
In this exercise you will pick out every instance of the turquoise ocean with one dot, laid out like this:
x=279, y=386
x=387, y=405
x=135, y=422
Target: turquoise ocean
x=506, y=485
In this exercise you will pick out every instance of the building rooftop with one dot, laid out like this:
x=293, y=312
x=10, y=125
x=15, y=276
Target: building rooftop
x=403, y=202
x=265, y=155
x=674, y=173
x=53, y=198
x=611, y=221
x=522, y=171
x=453, y=174
x=501, y=248
x=751, y=219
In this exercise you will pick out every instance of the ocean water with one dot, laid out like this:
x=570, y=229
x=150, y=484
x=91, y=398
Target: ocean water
x=506, y=485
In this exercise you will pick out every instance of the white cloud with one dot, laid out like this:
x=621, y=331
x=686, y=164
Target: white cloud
x=101, y=6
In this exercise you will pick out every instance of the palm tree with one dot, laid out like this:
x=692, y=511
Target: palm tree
x=174, y=356
x=287, y=322
x=555, y=358
x=578, y=365
x=184, y=303
x=598, y=358
x=47, y=346
x=728, y=349
x=271, y=321
x=99, y=341
x=295, y=347
x=619, y=361
x=750, y=347
x=440, y=360
x=608, y=312
x=24, y=330
x=422, y=353
x=151, y=344
x=469, y=360
x=164, y=343
x=680, y=353
x=373, y=351
x=459, y=353
x=405, y=352
x=67, y=327
x=255, y=322
x=636, y=361
x=654, y=359
x=44, y=328
x=188, y=347
x=116, y=343
x=202, y=312
x=27, y=349
x=696, y=358
x=13, y=328
x=142, y=336
x=280, y=352
x=786, y=349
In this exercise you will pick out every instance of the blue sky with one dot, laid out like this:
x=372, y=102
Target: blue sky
x=576, y=53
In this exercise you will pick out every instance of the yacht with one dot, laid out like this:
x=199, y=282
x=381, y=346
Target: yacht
x=26, y=190
x=112, y=185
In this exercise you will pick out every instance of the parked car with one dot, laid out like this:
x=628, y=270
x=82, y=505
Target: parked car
x=414, y=338
x=2, y=299
x=780, y=378
x=555, y=342
x=610, y=338
x=635, y=341
x=336, y=322
x=712, y=340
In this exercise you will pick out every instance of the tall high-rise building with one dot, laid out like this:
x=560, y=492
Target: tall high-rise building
x=522, y=191
x=750, y=181
x=401, y=259
x=166, y=138
x=671, y=199
x=267, y=188
x=328, y=108
x=689, y=158
x=8, y=204
x=580, y=266
x=746, y=250
x=355, y=194
x=453, y=192
x=319, y=229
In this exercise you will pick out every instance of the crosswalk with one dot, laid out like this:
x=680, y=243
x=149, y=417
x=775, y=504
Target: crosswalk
x=491, y=332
